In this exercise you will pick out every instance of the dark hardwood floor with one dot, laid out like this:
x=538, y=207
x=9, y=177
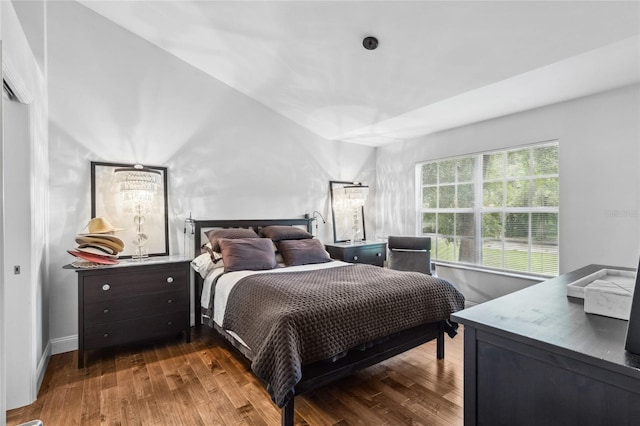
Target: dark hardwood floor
x=206, y=383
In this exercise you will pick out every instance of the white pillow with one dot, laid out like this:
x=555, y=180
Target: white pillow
x=202, y=264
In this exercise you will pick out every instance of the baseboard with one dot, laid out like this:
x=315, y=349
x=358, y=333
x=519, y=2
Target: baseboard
x=64, y=344
x=70, y=343
x=42, y=366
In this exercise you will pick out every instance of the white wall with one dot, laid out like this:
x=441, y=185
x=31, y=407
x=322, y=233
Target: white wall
x=599, y=175
x=32, y=14
x=117, y=98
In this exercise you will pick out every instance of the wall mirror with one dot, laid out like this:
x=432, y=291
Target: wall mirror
x=133, y=198
x=347, y=210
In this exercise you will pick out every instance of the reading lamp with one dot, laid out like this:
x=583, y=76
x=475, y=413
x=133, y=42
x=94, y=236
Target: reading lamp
x=138, y=186
x=315, y=215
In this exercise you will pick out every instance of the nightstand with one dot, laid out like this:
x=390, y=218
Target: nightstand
x=373, y=253
x=132, y=301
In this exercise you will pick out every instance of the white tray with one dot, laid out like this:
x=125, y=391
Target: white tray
x=576, y=288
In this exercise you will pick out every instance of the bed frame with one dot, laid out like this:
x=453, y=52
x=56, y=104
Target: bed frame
x=318, y=374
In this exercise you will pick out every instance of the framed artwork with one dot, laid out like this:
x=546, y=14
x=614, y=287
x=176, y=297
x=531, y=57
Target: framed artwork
x=138, y=207
x=348, y=217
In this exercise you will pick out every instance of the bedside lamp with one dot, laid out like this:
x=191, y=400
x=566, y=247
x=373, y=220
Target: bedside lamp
x=138, y=186
x=354, y=197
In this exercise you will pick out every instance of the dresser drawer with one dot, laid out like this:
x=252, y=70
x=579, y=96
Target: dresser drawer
x=124, y=284
x=131, y=330
x=116, y=309
x=374, y=253
x=367, y=254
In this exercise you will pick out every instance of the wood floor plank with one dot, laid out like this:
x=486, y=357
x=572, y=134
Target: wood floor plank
x=71, y=410
x=172, y=383
x=153, y=410
x=169, y=366
x=90, y=412
x=256, y=393
x=130, y=411
x=205, y=369
x=387, y=404
x=358, y=411
x=208, y=411
x=308, y=412
x=52, y=405
x=110, y=406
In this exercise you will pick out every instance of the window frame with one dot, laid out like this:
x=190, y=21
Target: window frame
x=479, y=209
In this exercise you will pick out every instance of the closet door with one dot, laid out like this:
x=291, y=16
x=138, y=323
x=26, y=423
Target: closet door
x=18, y=283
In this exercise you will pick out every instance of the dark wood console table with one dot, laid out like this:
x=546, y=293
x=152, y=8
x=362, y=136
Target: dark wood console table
x=534, y=357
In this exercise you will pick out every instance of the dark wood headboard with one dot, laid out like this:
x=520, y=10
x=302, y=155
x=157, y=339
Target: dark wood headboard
x=256, y=224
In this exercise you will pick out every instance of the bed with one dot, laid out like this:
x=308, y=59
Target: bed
x=302, y=319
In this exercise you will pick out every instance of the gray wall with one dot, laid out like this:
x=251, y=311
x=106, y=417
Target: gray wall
x=599, y=178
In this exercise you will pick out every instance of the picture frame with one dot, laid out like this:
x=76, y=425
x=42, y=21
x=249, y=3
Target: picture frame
x=345, y=218
x=106, y=201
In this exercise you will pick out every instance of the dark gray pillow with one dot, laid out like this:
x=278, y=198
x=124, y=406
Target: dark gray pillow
x=231, y=233
x=247, y=254
x=302, y=252
x=283, y=232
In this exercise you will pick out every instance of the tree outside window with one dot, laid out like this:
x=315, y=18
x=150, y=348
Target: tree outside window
x=497, y=209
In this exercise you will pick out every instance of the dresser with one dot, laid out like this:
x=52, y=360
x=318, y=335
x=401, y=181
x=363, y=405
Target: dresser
x=132, y=301
x=373, y=253
x=534, y=357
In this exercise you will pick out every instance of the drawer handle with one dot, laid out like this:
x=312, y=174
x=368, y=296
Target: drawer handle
x=169, y=301
x=106, y=287
x=106, y=310
x=170, y=280
x=105, y=335
x=355, y=257
x=378, y=254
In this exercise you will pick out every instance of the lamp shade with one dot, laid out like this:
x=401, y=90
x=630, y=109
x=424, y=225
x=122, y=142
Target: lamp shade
x=138, y=186
x=355, y=195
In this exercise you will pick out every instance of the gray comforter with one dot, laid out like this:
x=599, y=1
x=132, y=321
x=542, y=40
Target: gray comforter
x=292, y=319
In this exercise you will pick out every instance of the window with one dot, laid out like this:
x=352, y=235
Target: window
x=497, y=209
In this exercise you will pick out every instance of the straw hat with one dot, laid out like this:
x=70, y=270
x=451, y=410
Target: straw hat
x=102, y=239
x=97, y=252
x=93, y=258
x=97, y=248
x=100, y=225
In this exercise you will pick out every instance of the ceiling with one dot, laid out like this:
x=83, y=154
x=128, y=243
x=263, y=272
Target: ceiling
x=439, y=64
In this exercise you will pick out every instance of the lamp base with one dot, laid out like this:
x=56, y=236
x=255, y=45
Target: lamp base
x=140, y=254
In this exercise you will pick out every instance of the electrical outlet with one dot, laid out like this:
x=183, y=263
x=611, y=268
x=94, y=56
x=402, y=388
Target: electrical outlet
x=16, y=270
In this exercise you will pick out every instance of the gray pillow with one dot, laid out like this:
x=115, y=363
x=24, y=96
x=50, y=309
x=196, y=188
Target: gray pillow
x=247, y=254
x=230, y=233
x=303, y=252
x=284, y=232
